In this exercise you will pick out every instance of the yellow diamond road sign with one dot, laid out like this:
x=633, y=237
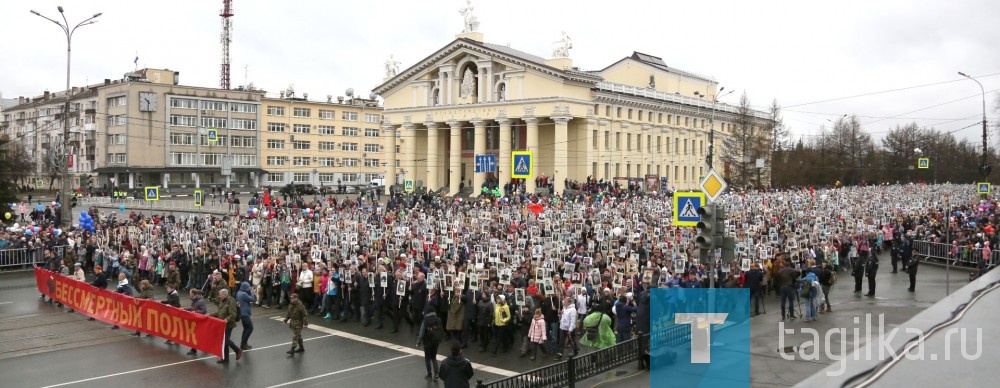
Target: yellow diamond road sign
x=713, y=185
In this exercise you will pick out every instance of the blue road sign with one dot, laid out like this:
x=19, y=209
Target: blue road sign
x=984, y=187
x=522, y=165
x=408, y=185
x=664, y=184
x=486, y=163
x=923, y=163
x=686, y=208
x=152, y=193
x=213, y=135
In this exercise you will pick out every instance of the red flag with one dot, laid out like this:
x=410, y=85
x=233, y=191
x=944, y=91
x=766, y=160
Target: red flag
x=536, y=208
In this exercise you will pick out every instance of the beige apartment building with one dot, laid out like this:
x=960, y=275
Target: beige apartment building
x=153, y=131
x=323, y=143
x=36, y=124
x=635, y=118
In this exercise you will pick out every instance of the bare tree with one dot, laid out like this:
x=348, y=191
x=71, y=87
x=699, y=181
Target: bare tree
x=750, y=140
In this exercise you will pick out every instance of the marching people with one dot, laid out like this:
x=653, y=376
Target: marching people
x=145, y=292
x=173, y=299
x=229, y=312
x=567, y=325
x=296, y=319
x=456, y=371
x=246, y=298
x=432, y=338
x=492, y=313
x=123, y=288
x=197, y=306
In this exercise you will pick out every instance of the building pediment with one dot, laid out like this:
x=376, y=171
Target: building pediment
x=463, y=51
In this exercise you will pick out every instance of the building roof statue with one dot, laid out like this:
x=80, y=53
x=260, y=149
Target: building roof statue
x=471, y=21
x=391, y=67
x=561, y=50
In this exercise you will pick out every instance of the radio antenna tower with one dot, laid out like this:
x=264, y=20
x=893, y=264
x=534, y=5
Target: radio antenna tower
x=227, y=36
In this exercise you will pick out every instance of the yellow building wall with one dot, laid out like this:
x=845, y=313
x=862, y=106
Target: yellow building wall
x=635, y=73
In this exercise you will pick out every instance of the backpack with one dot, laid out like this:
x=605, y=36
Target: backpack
x=593, y=331
x=805, y=290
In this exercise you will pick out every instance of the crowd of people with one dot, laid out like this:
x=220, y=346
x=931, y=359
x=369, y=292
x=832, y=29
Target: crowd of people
x=514, y=274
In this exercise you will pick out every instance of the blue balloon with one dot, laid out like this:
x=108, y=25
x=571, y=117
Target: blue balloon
x=121, y=208
x=305, y=212
x=27, y=232
x=84, y=214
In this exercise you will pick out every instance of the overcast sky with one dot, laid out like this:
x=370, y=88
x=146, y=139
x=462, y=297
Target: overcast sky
x=798, y=52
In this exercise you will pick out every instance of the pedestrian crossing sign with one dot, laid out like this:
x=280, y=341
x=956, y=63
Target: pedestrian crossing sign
x=924, y=163
x=408, y=185
x=522, y=165
x=686, y=208
x=984, y=187
x=152, y=193
x=213, y=135
x=197, y=198
x=39, y=183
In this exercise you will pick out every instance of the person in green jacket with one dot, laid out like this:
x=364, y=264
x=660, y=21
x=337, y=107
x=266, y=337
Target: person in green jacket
x=296, y=320
x=145, y=292
x=597, y=331
x=229, y=312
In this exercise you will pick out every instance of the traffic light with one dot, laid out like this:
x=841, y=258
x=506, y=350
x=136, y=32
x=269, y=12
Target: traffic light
x=728, y=250
x=72, y=202
x=707, y=226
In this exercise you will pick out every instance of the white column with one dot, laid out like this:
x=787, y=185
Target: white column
x=482, y=86
x=441, y=89
x=450, y=78
x=433, y=165
x=503, y=160
x=410, y=156
x=389, y=133
x=455, y=159
x=532, y=145
x=480, y=149
x=560, y=153
x=489, y=84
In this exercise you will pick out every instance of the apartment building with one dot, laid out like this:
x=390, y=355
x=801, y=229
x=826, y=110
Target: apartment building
x=155, y=132
x=323, y=143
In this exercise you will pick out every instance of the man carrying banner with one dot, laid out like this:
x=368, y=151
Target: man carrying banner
x=230, y=313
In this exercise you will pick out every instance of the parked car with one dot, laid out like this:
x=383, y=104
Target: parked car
x=298, y=189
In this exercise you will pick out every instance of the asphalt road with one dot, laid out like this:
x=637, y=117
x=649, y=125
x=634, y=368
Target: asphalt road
x=44, y=346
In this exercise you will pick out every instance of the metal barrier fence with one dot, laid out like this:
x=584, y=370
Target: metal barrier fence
x=209, y=205
x=22, y=258
x=964, y=255
x=574, y=369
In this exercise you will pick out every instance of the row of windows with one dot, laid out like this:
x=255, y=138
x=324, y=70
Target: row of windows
x=213, y=122
x=117, y=101
x=688, y=122
x=322, y=129
x=187, y=139
x=117, y=158
x=323, y=162
x=324, y=177
x=114, y=120
x=189, y=103
x=681, y=173
x=191, y=159
x=677, y=147
x=325, y=114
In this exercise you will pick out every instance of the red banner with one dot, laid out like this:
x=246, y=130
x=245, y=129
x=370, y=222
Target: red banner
x=201, y=332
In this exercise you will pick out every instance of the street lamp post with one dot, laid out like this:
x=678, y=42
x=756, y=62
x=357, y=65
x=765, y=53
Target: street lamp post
x=711, y=133
x=984, y=168
x=65, y=183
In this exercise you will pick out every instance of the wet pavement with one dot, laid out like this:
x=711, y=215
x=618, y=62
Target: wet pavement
x=44, y=346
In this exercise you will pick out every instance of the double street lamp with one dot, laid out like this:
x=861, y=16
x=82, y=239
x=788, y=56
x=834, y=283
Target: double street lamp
x=67, y=187
x=984, y=168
